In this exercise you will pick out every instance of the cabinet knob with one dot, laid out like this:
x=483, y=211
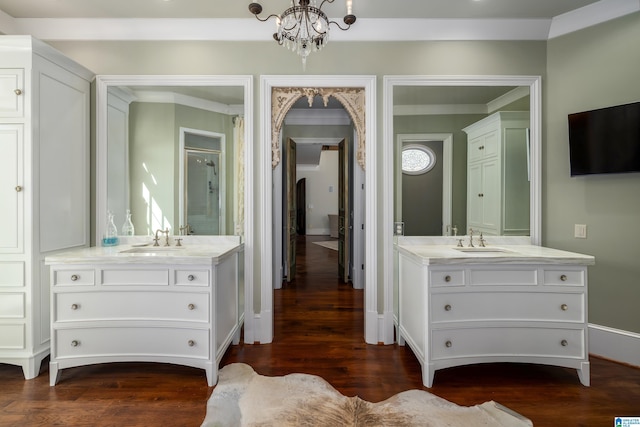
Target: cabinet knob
x=563, y=277
x=447, y=307
x=18, y=188
x=74, y=277
x=480, y=194
x=191, y=306
x=18, y=92
x=447, y=278
x=191, y=343
x=75, y=343
x=564, y=307
x=564, y=343
x=191, y=277
x=448, y=344
x=74, y=306
x=481, y=147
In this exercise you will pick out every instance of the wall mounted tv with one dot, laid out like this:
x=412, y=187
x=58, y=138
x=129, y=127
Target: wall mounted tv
x=606, y=140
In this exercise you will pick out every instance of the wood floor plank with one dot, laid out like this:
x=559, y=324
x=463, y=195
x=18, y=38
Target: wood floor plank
x=318, y=329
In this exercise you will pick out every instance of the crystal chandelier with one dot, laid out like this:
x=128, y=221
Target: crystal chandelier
x=304, y=28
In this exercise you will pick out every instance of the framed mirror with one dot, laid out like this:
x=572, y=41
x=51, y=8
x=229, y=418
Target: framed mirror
x=443, y=115
x=173, y=151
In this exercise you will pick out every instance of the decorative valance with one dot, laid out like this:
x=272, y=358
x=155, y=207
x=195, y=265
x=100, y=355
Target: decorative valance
x=283, y=98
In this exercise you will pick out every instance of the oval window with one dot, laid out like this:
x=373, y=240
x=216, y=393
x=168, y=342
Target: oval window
x=417, y=159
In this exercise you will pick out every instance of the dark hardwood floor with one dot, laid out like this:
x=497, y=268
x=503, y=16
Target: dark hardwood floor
x=318, y=330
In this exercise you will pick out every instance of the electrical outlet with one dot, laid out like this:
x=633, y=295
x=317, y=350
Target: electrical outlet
x=399, y=228
x=580, y=231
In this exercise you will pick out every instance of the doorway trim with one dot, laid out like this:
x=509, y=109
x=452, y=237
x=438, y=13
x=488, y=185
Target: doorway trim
x=262, y=330
x=447, y=169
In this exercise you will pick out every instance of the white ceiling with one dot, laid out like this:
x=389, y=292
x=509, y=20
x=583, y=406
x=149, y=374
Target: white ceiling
x=377, y=19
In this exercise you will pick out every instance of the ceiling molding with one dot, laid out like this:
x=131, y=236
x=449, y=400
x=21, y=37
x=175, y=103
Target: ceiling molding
x=367, y=29
x=189, y=101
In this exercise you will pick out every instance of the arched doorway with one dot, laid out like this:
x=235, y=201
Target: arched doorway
x=260, y=328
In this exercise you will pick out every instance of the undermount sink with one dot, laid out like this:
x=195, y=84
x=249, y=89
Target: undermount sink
x=152, y=249
x=480, y=249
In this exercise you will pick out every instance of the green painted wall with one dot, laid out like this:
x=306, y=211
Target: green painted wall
x=350, y=58
x=594, y=68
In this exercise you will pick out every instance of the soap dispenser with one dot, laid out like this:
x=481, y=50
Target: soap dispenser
x=110, y=237
x=127, y=227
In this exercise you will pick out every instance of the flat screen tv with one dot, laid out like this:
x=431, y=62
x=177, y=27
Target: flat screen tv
x=606, y=140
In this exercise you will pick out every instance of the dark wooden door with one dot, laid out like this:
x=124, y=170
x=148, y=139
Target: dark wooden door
x=290, y=214
x=344, y=211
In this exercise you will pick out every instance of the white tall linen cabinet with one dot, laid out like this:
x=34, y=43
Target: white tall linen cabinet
x=44, y=186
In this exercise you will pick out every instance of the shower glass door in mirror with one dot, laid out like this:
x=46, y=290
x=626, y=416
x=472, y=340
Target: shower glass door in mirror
x=203, y=191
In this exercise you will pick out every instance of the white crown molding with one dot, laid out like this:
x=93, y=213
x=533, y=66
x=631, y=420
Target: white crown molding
x=435, y=109
x=189, y=101
x=593, y=14
x=506, y=99
x=366, y=29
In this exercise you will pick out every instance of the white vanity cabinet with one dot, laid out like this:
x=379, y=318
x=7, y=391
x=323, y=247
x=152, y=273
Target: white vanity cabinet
x=44, y=186
x=187, y=312
x=497, y=174
x=458, y=311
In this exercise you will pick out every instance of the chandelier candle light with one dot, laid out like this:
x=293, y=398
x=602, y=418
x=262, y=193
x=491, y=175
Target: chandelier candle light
x=304, y=28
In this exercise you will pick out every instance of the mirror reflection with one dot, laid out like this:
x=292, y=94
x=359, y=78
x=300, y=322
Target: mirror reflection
x=174, y=157
x=475, y=143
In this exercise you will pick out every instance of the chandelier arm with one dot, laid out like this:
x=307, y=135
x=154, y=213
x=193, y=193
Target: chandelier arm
x=273, y=15
x=340, y=26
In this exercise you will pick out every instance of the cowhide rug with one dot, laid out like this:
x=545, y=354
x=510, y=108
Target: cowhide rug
x=244, y=398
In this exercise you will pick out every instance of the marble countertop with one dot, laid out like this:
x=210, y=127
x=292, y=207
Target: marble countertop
x=141, y=251
x=437, y=254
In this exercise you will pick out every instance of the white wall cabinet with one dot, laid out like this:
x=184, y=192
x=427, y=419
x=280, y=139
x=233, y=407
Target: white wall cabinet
x=44, y=186
x=497, y=174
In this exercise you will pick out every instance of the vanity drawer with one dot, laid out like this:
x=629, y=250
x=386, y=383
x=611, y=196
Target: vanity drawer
x=503, y=276
x=446, y=277
x=507, y=306
x=564, y=277
x=129, y=343
x=134, y=277
x=192, y=277
x=169, y=306
x=74, y=277
x=508, y=342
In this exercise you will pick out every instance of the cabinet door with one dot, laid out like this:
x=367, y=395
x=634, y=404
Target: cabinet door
x=490, y=196
x=474, y=197
x=11, y=194
x=11, y=92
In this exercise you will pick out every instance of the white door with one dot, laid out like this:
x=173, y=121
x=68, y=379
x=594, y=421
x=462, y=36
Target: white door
x=11, y=188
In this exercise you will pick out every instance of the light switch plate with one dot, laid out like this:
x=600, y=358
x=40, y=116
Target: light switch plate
x=580, y=231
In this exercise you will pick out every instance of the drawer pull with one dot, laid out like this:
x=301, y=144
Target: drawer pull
x=74, y=277
x=191, y=306
x=564, y=307
x=447, y=307
x=563, y=277
x=448, y=344
x=191, y=343
x=18, y=92
x=191, y=277
x=447, y=278
x=75, y=343
x=564, y=343
x=74, y=306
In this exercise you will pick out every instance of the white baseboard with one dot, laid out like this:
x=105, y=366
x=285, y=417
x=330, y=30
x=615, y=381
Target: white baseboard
x=614, y=344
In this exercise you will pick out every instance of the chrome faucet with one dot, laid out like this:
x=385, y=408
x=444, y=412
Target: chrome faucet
x=482, y=241
x=471, y=238
x=156, y=239
x=185, y=230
